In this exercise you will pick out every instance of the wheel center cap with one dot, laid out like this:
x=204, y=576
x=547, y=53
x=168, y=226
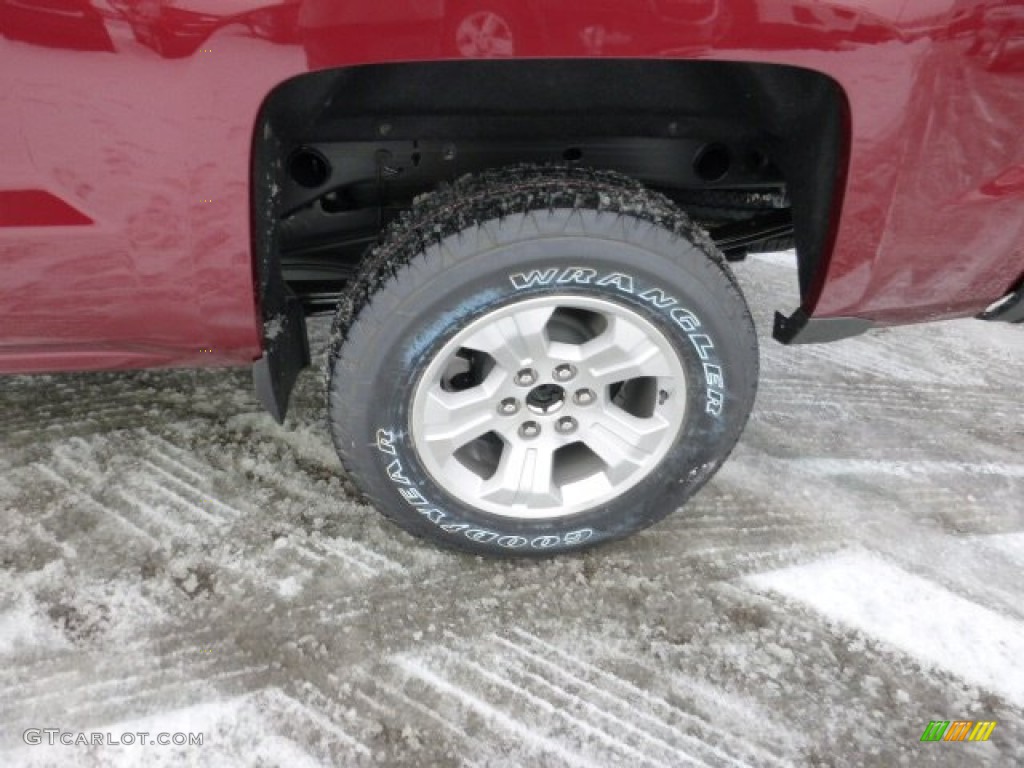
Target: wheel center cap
x=545, y=399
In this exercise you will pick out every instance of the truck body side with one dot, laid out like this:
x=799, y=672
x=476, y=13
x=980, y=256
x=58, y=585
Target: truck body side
x=128, y=230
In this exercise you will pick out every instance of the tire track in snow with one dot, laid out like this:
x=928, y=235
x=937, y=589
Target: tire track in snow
x=158, y=503
x=533, y=700
x=174, y=459
x=512, y=725
x=316, y=549
x=729, y=560
x=618, y=723
x=152, y=698
x=153, y=501
x=878, y=396
x=262, y=727
x=832, y=467
x=70, y=420
x=407, y=703
x=76, y=493
x=649, y=748
x=69, y=661
x=295, y=711
x=149, y=508
x=200, y=495
x=656, y=714
x=181, y=479
x=102, y=686
x=320, y=549
x=911, y=355
x=109, y=692
x=357, y=551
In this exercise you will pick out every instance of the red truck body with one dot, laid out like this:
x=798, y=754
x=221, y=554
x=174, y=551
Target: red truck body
x=126, y=136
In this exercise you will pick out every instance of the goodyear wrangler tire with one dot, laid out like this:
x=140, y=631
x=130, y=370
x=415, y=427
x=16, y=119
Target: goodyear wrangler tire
x=538, y=360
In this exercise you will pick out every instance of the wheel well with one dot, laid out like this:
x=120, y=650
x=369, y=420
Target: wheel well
x=756, y=152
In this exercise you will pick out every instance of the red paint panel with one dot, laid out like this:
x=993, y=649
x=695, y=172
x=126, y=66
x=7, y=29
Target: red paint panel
x=37, y=208
x=142, y=114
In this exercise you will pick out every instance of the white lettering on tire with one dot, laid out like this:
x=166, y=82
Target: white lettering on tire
x=522, y=280
x=687, y=321
x=667, y=304
x=415, y=498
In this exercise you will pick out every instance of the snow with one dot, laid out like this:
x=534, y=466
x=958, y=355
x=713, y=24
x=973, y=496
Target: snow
x=22, y=628
x=171, y=559
x=236, y=732
x=780, y=259
x=1011, y=544
x=825, y=467
x=289, y=587
x=934, y=625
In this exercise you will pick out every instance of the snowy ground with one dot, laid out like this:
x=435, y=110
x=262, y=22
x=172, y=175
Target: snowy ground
x=171, y=560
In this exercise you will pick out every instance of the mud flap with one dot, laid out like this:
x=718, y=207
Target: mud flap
x=286, y=352
x=800, y=328
x=1009, y=309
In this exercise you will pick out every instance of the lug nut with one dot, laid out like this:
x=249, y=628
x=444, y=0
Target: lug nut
x=508, y=406
x=526, y=377
x=564, y=372
x=566, y=424
x=529, y=430
x=584, y=397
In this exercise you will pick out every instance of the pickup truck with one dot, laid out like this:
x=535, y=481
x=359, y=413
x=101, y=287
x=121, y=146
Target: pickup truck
x=521, y=216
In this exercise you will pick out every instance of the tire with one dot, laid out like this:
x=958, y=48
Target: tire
x=435, y=336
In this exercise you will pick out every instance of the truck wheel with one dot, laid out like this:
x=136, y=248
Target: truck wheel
x=538, y=359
